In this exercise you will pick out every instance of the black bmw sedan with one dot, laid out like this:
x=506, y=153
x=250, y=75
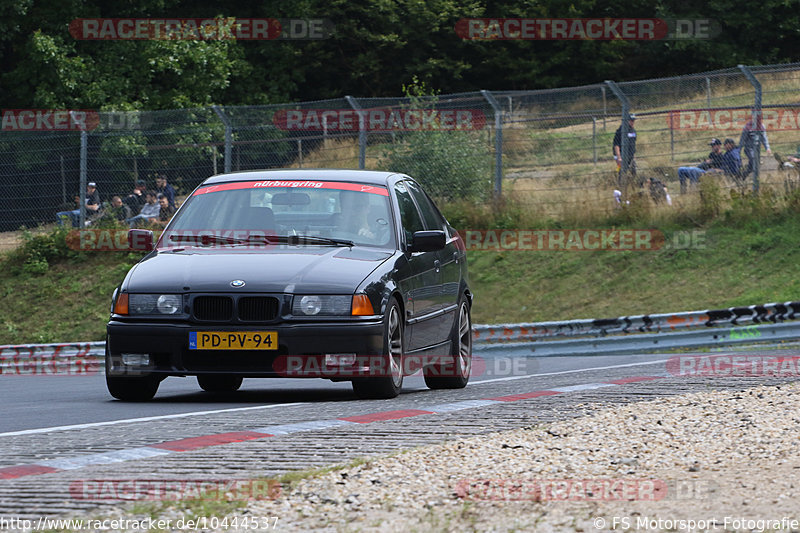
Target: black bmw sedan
x=337, y=274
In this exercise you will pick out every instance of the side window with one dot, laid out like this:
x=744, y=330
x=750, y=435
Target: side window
x=409, y=215
x=433, y=220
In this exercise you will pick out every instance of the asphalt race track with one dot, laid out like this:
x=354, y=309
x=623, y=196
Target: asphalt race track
x=59, y=429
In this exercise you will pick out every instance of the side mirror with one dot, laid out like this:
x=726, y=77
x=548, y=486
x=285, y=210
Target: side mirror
x=427, y=241
x=140, y=239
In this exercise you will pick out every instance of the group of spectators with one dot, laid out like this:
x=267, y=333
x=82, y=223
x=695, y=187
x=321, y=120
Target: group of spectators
x=728, y=163
x=142, y=207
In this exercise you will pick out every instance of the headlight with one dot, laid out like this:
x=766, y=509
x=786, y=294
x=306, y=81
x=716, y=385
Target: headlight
x=314, y=305
x=168, y=304
x=155, y=304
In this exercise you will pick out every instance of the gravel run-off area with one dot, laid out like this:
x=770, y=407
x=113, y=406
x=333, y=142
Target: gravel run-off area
x=711, y=461
x=721, y=460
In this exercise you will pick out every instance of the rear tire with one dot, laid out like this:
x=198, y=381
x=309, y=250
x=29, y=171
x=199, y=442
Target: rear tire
x=138, y=389
x=454, y=374
x=385, y=387
x=219, y=382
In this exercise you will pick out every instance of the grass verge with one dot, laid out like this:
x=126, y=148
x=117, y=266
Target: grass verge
x=744, y=258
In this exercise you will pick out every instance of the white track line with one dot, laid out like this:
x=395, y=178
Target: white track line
x=512, y=378
x=145, y=419
x=271, y=406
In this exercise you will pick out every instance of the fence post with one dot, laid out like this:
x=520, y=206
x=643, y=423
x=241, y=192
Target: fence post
x=671, y=141
x=228, y=137
x=300, y=152
x=594, y=139
x=708, y=92
x=623, y=145
x=605, y=109
x=83, y=171
x=63, y=181
x=362, y=132
x=757, y=122
x=498, y=142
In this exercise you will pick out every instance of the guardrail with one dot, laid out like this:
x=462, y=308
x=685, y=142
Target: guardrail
x=772, y=322
x=73, y=358
x=657, y=323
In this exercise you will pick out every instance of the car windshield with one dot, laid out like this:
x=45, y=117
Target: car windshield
x=303, y=213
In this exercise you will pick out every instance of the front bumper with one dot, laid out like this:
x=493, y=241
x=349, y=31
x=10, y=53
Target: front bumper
x=298, y=343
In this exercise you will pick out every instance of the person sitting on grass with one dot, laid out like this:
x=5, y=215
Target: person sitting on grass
x=92, y=207
x=149, y=213
x=712, y=164
x=165, y=211
x=732, y=161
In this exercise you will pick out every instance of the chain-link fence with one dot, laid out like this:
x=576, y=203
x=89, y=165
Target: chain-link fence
x=550, y=149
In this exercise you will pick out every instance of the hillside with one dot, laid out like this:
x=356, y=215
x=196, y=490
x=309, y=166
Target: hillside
x=747, y=263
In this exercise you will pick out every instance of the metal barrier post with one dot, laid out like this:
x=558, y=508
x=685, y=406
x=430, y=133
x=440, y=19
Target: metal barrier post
x=228, y=137
x=623, y=145
x=83, y=172
x=362, y=132
x=498, y=142
x=756, y=121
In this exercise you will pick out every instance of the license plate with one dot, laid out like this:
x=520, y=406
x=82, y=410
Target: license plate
x=233, y=340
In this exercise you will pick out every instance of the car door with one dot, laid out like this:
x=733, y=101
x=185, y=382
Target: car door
x=420, y=277
x=449, y=258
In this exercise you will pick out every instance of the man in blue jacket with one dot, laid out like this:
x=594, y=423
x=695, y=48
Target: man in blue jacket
x=732, y=160
x=162, y=187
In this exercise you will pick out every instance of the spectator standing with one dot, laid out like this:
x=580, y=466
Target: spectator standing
x=630, y=148
x=150, y=211
x=750, y=140
x=92, y=206
x=712, y=164
x=166, y=189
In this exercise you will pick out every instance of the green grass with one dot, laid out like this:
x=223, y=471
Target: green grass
x=752, y=264
x=746, y=260
x=68, y=302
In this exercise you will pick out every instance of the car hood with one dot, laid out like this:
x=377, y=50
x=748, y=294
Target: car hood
x=281, y=269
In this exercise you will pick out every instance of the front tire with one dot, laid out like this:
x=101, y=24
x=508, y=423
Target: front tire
x=455, y=375
x=138, y=389
x=385, y=387
x=219, y=382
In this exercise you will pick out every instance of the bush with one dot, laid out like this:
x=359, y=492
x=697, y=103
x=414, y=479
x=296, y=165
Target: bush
x=450, y=165
x=37, y=251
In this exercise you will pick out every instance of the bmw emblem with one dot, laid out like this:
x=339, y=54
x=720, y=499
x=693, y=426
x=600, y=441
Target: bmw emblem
x=237, y=283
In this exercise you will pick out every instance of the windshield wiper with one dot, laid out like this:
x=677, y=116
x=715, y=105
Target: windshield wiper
x=261, y=239
x=313, y=239
x=207, y=239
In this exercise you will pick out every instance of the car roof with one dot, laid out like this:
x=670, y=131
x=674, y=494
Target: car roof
x=322, y=174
